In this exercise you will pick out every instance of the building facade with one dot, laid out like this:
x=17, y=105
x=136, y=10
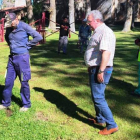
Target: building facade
x=12, y=3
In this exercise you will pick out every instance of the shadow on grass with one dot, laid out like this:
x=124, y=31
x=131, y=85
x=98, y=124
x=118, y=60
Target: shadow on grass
x=13, y=98
x=123, y=102
x=45, y=56
x=124, y=65
x=49, y=51
x=1, y=90
x=67, y=106
x=17, y=100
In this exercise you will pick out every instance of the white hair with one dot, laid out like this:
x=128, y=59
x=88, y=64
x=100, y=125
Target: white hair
x=96, y=15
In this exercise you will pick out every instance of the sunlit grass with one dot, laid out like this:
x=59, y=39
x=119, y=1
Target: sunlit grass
x=60, y=94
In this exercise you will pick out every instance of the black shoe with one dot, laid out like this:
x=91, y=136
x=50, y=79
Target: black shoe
x=65, y=53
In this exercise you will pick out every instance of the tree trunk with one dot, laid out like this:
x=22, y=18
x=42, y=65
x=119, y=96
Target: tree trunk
x=71, y=15
x=29, y=11
x=52, y=25
x=115, y=4
x=88, y=7
x=128, y=22
x=138, y=13
x=135, y=12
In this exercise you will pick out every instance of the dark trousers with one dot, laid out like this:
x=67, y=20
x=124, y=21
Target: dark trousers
x=84, y=42
x=18, y=65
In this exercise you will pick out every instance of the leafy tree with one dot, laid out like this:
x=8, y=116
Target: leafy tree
x=37, y=9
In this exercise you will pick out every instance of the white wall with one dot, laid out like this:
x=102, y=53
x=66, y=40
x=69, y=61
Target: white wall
x=20, y=3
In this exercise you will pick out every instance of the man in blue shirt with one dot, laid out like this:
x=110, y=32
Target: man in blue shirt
x=16, y=36
x=84, y=34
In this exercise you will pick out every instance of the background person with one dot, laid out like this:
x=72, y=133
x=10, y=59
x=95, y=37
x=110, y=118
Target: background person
x=137, y=90
x=84, y=35
x=17, y=33
x=99, y=59
x=63, y=37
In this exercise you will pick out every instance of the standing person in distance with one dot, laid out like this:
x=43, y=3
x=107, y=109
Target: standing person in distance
x=99, y=59
x=137, y=90
x=63, y=37
x=17, y=33
x=84, y=35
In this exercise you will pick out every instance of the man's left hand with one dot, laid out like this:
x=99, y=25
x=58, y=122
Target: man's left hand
x=100, y=77
x=66, y=27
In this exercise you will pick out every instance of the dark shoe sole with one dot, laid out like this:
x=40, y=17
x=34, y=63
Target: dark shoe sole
x=95, y=122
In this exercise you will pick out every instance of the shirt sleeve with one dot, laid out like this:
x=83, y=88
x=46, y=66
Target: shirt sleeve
x=106, y=41
x=8, y=31
x=35, y=35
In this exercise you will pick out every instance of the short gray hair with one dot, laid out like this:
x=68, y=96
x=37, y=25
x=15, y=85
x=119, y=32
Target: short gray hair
x=96, y=15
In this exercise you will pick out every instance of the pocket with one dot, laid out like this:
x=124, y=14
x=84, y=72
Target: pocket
x=26, y=75
x=26, y=58
x=107, y=75
x=24, y=62
x=93, y=74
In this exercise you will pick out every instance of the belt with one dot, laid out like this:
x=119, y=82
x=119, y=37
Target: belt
x=13, y=54
x=92, y=67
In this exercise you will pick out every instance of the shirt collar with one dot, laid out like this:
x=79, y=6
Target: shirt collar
x=19, y=24
x=99, y=27
x=84, y=25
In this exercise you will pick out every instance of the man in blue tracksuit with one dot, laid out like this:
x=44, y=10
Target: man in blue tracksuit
x=16, y=35
x=84, y=34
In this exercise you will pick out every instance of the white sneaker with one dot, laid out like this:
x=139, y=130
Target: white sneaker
x=3, y=107
x=23, y=109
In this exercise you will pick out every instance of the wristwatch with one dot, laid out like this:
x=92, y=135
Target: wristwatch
x=100, y=71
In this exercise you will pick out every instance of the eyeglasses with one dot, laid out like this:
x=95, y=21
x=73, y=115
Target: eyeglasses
x=88, y=21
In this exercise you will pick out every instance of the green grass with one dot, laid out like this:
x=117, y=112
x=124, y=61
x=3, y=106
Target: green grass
x=60, y=94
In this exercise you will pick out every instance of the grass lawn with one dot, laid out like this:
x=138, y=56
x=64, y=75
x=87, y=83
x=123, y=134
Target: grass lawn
x=61, y=98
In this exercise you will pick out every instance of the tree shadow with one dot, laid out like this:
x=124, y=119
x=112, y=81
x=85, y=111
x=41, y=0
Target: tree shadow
x=1, y=90
x=13, y=98
x=17, y=100
x=67, y=106
x=121, y=103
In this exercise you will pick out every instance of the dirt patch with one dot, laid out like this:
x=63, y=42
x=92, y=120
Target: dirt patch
x=41, y=116
x=9, y=112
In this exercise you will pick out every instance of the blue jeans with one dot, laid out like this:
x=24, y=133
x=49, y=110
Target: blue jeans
x=84, y=42
x=63, y=42
x=18, y=65
x=103, y=112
